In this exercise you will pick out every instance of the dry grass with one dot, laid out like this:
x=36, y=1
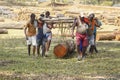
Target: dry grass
x=15, y=64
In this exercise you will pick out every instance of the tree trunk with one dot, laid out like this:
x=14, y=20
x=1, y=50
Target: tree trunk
x=99, y=2
x=113, y=2
x=64, y=49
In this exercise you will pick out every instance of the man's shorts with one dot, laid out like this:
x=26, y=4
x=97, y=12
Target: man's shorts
x=40, y=36
x=82, y=38
x=39, y=41
x=31, y=40
x=91, y=40
x=48, y=36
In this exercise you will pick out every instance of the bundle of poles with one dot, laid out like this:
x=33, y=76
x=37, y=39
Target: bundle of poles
x=59, y=20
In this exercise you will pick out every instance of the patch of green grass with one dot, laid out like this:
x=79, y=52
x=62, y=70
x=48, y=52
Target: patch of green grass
x=14, y=59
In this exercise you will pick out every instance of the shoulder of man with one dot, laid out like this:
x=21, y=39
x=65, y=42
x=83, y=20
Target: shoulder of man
x=27, y=24
x=40, y=20
x=98, y=22
x=76, y=21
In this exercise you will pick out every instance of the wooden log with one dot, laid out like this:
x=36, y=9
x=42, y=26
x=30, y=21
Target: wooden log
x=64, y=49
x=11, y=26
x=106, y=37
x=3, y=31
x=58, y=19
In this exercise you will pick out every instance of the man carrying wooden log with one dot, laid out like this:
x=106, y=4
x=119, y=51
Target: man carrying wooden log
x=95, y=32
x=47, y=33
x=81, y=36
x=40, y=35
x=30, y=34
x=92, y=33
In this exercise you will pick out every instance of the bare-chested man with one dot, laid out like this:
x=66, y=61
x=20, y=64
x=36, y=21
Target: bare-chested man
x=81, y=36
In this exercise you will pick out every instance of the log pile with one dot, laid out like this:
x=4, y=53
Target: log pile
x=24, y=13
x=108, y=19
x=105, y=17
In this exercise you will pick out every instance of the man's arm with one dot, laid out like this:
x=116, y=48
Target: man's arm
x=73, y=27
x=50, y=25
x=25, y=31
x=97, y=22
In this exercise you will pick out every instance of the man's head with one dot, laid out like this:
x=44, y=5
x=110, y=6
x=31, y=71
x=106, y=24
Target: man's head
x=32, y=17
x=82, y=19
x=91, y=16
x=82, y=14
x=47, y=13
x=42, y=15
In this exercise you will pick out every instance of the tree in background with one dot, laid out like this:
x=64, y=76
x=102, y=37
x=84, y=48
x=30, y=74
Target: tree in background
x=115, y=1
x=99, y=1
